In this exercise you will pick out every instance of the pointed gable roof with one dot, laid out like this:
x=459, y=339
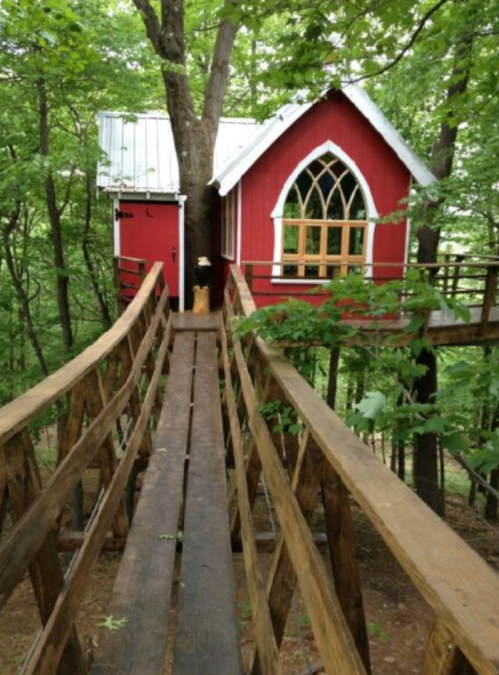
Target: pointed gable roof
x=266, y=135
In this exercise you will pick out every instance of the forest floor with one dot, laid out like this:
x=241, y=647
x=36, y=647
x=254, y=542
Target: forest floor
x=398, y=618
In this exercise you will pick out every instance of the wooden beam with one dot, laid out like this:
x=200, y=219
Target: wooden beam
x=343, y=554
x=331, y=632
x=15, y=415
x=108, y=461
x=442, y=656
x=47, y=652
x=281, y=581
x=143, y=586
x=27, y=536
x=268, y=653
x=45, y=570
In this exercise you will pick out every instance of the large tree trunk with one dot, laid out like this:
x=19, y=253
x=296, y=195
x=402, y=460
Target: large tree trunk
x=194, y=136
x=425, y=469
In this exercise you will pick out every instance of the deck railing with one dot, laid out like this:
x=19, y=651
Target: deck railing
x=466, y=276
x=103, y=402
x=457, y=583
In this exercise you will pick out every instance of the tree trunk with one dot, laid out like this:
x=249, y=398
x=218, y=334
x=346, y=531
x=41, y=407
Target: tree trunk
x=194, y=137
x=425, y=469
x=62, y=277
x=332, y=382
x=491, y=506
x=20, y=291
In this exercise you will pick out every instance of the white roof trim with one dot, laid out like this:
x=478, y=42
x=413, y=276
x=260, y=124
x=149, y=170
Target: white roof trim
x=263, y=138
x=259, y=142
x=366, y=106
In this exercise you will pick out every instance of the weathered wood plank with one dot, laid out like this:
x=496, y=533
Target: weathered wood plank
x=207, y=639
x=27, y=536
x=47, y=652
x=281, y=582
x=465, y=594
x=143, y=586
x=442, y=657
x=343, y=554
x=15, y=415
x=45, y=570
x=331, y=632
x=196, y=322
x=108, y=462
x=268, y=653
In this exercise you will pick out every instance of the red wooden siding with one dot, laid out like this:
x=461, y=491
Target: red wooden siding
x=152, y=233
x=337, y=120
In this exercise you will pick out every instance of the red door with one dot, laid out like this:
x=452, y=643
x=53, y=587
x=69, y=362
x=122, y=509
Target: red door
x=150, y=230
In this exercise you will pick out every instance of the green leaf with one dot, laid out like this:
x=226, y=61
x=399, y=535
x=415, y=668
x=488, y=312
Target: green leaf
x=113, y=624
x=372, y=404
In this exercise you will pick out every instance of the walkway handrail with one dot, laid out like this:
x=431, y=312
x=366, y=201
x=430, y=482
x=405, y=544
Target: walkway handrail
x=118, y=374
x=456, y=582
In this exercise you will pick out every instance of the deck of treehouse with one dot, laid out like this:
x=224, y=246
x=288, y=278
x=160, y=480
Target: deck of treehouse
x=179, y=400
x=470, y=280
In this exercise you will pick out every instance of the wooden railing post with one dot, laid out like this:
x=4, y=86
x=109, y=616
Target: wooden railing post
x=343, y=554
x=489, y=296
x=249, y=276
x=47, y=577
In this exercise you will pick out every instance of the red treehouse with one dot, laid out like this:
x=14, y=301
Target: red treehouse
x=302, y=192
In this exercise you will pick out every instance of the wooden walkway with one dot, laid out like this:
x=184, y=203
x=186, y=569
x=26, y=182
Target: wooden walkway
x=179, y=533
x=189, y=435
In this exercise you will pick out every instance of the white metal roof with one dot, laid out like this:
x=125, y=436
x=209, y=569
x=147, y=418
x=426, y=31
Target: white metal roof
x=141, y=154
x=265, y=136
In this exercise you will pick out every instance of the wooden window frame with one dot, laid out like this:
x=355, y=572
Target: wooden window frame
x=343, y=261
x=228, y=228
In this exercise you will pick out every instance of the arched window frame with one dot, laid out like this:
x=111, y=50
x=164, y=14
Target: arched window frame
x=278, y=211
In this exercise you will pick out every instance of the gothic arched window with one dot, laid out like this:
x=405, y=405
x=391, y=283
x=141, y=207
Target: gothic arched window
x=324, y=221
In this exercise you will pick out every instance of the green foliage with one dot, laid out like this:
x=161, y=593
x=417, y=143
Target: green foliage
x=113, y=624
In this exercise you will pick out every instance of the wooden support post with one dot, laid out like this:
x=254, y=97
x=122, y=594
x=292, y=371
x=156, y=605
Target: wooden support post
x=442, y=656
x=489, y=296
x=341, y=543
x=249, y=276
x=71, y=433
x=96, y=402
x=457, y=272
x=120, y=303
x=267, y=649
x=127, y=355
x=45, y=570
x=281, y=581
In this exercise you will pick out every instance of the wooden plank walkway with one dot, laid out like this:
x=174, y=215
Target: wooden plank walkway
x=206, y=640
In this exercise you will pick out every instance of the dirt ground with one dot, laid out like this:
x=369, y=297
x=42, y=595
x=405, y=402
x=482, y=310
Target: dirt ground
x=398, y=619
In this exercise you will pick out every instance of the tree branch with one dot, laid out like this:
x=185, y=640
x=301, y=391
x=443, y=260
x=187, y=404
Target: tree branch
x=151, y=23
x=474, y=475
x=424, y=20
x=219, y=75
